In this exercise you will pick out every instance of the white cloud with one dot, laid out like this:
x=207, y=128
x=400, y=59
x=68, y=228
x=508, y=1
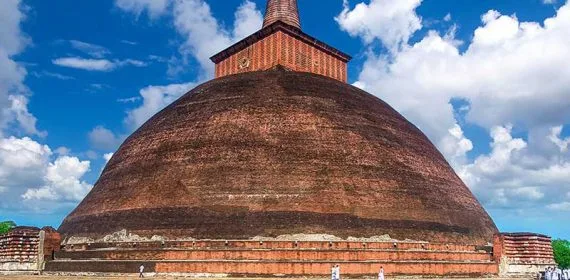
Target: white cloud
x=103, y=65
x=563, y=206
x=514, y=175
x=455, y=145
x=93, y=50
x=107, y=157
x=203, y=34
x=52, y=75
x=391, y=21
x=248, y=19
x=512, y=72
x=21, y=160
x=153, y=7
x=508, y=62
x=13, y=93
x=19, y=111
x=129, y=100
x=63, y=181
x=12, y=40
x=104, y=139
x=555, y=138
x=85, y=63
x=447, y=17
x=28, y=173
x=155, y=98
x=549, y=1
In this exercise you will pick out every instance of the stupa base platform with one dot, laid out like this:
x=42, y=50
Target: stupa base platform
x=276, y=258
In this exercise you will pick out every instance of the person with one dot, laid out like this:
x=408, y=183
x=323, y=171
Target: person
x=333, y=272
x=337, y=272
x=547, y=274
x=381, y=273
x=141, y=271
x=558, y=273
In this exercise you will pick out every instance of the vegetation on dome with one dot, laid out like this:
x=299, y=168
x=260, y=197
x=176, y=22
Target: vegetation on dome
x=562, y=252
x=6, y=226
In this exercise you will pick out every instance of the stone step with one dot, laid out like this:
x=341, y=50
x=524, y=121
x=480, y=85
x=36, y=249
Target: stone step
x=274, y=254
x=269, y=268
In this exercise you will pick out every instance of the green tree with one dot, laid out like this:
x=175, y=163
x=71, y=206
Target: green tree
x=6, y=226
x=561, y=252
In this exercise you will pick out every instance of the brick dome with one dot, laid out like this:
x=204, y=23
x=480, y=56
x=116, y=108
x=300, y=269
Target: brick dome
x=279, y=152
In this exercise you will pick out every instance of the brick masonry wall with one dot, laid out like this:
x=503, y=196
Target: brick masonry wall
x=523, y=253
x=280, y=48
x=292, y=258
x=26, y=248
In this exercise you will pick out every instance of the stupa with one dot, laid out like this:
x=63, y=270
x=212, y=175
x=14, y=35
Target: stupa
x=279, y=153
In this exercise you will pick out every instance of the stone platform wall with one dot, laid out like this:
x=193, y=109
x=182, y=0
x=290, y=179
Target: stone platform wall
x=269, y=258
x=523, y=253
x=24, y=249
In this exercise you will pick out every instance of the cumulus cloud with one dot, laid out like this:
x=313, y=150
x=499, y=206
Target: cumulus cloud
x=203, y=37
x=27, y=173
x=12, y=40
x=508, y=62
x=63, y=181
x=103, y=65
x=155, y=98
x=513, y=175
x=556, y=139
x=203, y=34
x=19, y=112
x=511, y=72
x=391, y=21
x=13, y=93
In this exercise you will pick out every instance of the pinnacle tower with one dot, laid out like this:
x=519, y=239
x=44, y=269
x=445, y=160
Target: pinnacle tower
x=281, y=42
x=282, y=10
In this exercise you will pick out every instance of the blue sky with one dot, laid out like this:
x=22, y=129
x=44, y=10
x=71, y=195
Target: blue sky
x=487, y=81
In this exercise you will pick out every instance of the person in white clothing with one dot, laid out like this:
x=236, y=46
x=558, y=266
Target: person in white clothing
x=337, y=272
x=141, y=271
x=333, y=272
x=548, y=274
x=381, y=273
x=558, y=273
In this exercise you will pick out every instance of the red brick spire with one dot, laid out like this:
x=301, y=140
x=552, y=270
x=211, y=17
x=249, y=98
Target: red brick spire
x=282, y=10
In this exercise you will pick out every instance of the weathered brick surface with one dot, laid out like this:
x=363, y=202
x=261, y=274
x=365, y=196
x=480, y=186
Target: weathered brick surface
x=20, y=245
x=305, y=258
x=249, y=244
x=283, y=10
x=524, y=248
x=21, y=248
x=281, y=48
x=270, y=268
x=276, y=255
x=276, y=152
